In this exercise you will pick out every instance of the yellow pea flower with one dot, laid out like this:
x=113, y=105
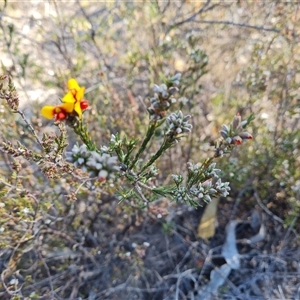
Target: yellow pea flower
x=72, y=101
x=58, y=112
x=74, y=95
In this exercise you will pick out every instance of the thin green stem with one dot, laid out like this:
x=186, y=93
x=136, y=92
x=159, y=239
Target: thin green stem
x=165, y=145
x=150, y=132
x=192, y=179
x=83, y=133
x=130, y=148
x=120, y=154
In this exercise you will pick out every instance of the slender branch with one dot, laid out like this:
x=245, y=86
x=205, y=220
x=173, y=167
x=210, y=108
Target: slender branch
x=260, y=203
x=93, y=37
x=165, y=145
x=150, y=132
x=8, y=289
x=137, y=188
x=206, y=8
x=47, y=271
x=233, y=24
x=31, y=128
x=143, y=185
x=203, y=9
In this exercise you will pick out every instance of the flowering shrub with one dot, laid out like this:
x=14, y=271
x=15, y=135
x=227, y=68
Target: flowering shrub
x=124, y=167
x=125, y=157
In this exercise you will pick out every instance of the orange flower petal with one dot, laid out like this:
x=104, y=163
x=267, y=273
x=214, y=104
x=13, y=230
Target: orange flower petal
x=48, y=112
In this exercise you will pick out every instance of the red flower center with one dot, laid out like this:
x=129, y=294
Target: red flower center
x=59, y=114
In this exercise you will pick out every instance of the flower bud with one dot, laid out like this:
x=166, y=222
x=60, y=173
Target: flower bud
x=156, y=88
x=243, y=123
x=173, y=90
x=237, y=140
x=225, y=128
x=246, y=136
x=4, y=81
x=102, y=175
x=177, y=76
x=229, y=140
x=236, y=121
x=207, y=198
x=224, y=134
x=84, y=104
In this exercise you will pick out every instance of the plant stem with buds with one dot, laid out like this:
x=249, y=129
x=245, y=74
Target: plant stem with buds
x=150, y=132
x=83, y=133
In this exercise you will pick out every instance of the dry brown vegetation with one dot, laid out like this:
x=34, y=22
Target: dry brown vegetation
x=64, y=239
